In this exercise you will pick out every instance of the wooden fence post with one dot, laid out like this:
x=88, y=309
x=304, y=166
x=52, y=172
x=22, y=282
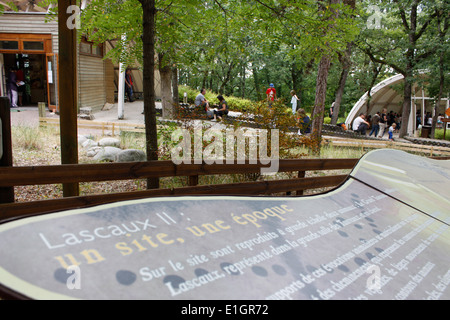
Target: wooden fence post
x=6, y=158
x=193, y=180
x=301, y=175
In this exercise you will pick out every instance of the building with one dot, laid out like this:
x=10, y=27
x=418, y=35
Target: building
x=29, y=41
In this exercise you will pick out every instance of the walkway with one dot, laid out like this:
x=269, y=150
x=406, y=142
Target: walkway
x=29, y=116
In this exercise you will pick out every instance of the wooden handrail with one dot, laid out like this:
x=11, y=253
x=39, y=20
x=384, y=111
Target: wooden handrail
x=15, y=210
x=38, y=175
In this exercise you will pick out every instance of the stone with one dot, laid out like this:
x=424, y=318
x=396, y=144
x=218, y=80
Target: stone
x=89, y=143
x=107, y=106
x=81, y=139
x=107, y=154
x=86, y=116
x=92, y=152
x=109, y=142
x=86, y=110
x=130, y=155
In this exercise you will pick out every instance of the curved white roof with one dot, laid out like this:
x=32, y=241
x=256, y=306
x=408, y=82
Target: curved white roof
x=388, y=94
x=383, y=96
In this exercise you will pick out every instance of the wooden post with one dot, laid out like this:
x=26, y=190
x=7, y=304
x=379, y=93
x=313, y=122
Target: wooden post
x=41, y=106
x=67, y=35
x=6, y=158
x=301, y=175
x=193, y=180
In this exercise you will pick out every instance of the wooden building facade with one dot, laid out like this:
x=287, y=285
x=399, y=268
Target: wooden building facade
x=29, y=41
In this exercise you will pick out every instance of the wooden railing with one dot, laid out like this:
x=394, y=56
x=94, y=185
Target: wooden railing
x=39, y=175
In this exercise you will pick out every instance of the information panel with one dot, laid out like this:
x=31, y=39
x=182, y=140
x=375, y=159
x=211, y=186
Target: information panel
x=384, y=234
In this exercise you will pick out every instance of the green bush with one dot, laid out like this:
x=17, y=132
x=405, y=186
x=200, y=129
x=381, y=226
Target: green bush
x=234, y=103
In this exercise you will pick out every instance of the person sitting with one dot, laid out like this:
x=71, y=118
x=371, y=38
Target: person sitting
x=303, y=122
x=222, y=109
x=200, y=100
x=360, y=124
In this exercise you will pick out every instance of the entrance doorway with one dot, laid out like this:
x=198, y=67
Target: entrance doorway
x=32, y=67
x=32, y=56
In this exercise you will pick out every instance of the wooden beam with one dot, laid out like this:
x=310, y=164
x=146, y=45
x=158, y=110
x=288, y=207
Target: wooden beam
x=38, y=175
x=67, y=36
x=16, y=210
x=6, y=157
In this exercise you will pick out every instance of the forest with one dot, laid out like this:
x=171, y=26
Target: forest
x=326, y=51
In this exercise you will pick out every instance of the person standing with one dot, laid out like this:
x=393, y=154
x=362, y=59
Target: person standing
x=391, y=131
x=383, y=123
x=129, y=85
x=12, y=87
x=332, y=109
x=271, y=95
x=20, y=85
x=375, y=124
x=294, y=100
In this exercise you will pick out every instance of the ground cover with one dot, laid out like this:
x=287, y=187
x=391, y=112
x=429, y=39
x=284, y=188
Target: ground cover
x=37, y=146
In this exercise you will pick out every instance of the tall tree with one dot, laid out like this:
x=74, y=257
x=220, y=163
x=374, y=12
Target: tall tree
x=321, y=84
x=148, y=40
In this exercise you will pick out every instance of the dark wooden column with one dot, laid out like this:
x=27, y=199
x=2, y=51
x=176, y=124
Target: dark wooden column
x=6, y=158
x=68, y=104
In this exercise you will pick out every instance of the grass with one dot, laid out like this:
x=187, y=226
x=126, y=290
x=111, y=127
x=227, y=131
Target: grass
x=439, y=134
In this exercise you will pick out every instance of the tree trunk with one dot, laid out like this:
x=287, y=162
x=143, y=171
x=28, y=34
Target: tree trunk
x=442, y=38
x=346, y=63
x=376, y=72
x=148, y=39
x=321, y=92
x=406, y=110
x=165, y=72
x=175, y=93
x=319, y=103
x=256, y=83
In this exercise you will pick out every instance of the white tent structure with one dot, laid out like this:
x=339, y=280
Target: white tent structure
x=388, y=94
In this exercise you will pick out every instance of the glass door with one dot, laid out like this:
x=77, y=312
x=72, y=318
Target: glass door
x=52, y=81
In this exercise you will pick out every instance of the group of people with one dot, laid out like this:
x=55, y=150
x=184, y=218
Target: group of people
x=303, y=121
x=429, y=119
x=211, y=113
x=378, y=123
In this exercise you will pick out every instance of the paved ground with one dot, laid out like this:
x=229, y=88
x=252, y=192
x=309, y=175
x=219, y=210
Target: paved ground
x=30, y=115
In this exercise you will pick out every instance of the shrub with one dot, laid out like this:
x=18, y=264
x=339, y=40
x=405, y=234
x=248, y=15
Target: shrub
x=234, y=103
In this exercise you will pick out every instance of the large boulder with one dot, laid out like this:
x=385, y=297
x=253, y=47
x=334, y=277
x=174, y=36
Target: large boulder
x=130, y=155
x=107, y=154
x=109, y=142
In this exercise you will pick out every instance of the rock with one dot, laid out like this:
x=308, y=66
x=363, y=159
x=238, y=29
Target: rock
x=81, y=139
x=86, y=110
x=107, y=154
x=86, y=113
x=109, y=142
x=89, y=143
x=130, y=155
x=92, y=152
x=86, y=116
x=107, y=106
